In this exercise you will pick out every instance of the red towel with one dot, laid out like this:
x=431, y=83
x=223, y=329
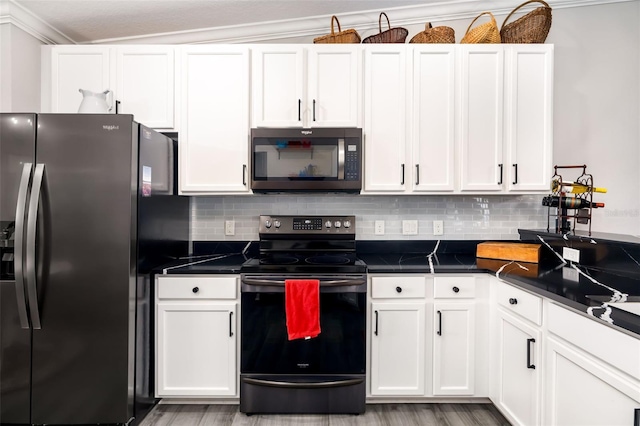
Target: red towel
x=302, y=307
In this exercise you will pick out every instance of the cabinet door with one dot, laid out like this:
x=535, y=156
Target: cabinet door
x=581, y=391
x=278, y=86
x=481, y=109
x=214, y=139
x=385, y=119
x=529, y=115
x=397, y=348
x=196, y=349
x=433, y=118
x=145, y=84
x=518, y=370
x=453, y=349
x=74, y=68
x=333, y=86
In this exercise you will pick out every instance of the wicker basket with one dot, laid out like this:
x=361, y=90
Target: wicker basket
x=434, y=35
x=530, y=28
x=392, y=35
x=485, y=33
x=346, y=36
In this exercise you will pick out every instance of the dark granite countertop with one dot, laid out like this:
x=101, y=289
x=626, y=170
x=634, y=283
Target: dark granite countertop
x=587, y=288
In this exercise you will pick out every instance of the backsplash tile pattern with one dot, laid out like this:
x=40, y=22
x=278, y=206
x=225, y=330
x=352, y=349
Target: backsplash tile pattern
x=468, y=217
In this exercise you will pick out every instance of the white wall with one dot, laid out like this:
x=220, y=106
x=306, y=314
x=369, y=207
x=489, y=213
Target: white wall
x=19, y=70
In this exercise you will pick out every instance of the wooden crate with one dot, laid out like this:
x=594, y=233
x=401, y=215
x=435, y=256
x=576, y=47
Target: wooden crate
x=519, y=252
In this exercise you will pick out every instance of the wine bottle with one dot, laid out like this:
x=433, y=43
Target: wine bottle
x=569, y=202
x=573, y=187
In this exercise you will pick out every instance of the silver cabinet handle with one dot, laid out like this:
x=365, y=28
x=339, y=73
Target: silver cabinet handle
x=18, y=243
x=32, y=221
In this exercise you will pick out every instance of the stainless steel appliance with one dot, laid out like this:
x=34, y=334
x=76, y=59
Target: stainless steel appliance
x=306, y=160
x=325, y=374
x=88, y=207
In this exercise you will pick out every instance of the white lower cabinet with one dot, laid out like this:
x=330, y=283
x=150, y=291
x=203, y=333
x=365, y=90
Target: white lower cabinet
x=518, y=379
x=592, y=372
x=196, y=336
x=582, y=391
x=397, y=336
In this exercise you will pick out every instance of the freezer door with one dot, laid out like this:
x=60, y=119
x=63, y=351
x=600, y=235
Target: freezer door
x=83, y=353
x=17, y=148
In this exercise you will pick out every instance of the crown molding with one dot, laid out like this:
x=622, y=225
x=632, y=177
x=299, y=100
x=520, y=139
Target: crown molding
x=310, y=27
x=274, y=31
x=14, y=14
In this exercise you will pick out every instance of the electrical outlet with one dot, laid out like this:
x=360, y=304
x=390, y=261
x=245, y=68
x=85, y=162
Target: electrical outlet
x=229, y=227
x=571, y=254
x=438, y=227
x=409, y=227
x=379, y=227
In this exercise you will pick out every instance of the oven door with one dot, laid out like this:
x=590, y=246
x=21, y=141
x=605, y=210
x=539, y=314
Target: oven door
x=339, y=348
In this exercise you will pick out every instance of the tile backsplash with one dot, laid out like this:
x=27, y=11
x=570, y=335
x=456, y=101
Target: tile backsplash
x=465, y=217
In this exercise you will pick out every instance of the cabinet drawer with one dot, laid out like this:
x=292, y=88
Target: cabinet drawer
x=527, y=305
x=454, y=287
x=610, y=345
x=197, y=287
x=398, y=287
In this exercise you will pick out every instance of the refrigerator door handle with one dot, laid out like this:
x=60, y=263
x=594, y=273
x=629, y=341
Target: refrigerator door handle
x=23, y=191
x=32, y=221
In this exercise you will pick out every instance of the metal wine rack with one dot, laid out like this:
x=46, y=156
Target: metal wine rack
x=562, y=217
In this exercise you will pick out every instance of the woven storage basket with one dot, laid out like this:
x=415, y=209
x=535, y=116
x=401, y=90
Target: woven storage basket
x=485, y=33
x=392, y=35
x=530, y=28
x=346, y=36
x=434, y=35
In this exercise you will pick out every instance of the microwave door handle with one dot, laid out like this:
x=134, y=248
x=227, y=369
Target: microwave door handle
x=340, y=159
x=19, y=242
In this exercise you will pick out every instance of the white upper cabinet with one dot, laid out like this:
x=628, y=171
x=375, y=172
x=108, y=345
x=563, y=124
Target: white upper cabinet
x=141, y=80
x=433, y=124
x=67, y=69
x=480, y=124
x=145, y=84
x=529, y=117
x=385, y=119
x=214, y=137
x=312, y=86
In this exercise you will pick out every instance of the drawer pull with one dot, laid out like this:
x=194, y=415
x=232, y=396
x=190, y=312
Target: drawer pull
x=195, y=289
x=230, y=324
x=513, y=301
x=439, y=332
x=456, y=289
x=399, y=289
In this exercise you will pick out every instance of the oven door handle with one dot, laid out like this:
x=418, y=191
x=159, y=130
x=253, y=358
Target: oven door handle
x=323, y=283
x=302, y=385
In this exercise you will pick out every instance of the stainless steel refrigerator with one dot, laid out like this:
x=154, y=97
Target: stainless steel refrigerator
x=88, y=208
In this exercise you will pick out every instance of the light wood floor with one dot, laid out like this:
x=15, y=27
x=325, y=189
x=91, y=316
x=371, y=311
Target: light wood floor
x=376, y=415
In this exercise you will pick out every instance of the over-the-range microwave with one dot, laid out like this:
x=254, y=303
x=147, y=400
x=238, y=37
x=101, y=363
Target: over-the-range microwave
x=306, y=160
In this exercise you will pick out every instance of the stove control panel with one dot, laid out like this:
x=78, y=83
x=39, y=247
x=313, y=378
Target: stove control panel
x=307, y=225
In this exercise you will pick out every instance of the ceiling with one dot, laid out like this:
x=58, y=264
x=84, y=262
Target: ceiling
x=86, y=21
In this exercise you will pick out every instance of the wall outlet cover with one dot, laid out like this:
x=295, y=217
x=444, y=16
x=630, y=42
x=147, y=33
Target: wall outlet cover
x=229, y=227
x=378, y=227
x=438, y=227
x=571, y=254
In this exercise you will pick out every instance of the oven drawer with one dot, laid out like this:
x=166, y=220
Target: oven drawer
x=454, y=287
x=197, y=287
x=398, y=287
